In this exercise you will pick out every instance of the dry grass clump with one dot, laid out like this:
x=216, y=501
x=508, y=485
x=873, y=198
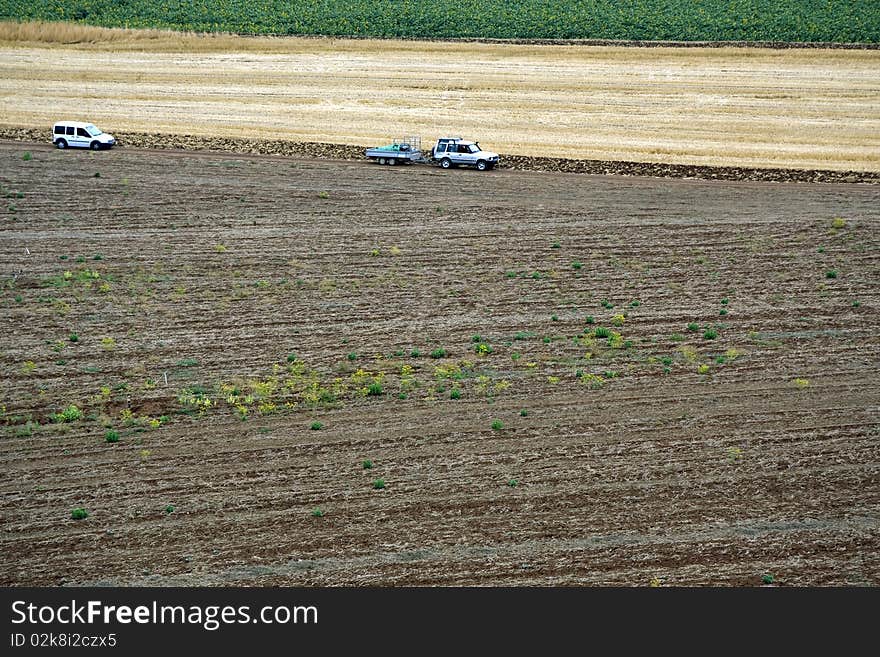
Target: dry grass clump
x=119, y=39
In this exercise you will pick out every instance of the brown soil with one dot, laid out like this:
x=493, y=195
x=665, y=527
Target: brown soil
x=211, y=268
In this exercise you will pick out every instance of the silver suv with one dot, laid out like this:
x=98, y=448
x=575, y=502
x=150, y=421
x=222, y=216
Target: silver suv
x=455, y=151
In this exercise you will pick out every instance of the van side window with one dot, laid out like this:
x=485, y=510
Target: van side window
x=70, y=130
x=81, y=132
x=59, y=129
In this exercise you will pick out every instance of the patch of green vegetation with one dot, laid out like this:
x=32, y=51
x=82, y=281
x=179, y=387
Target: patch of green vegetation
x=70, y=414
x=79, y=514
x=644, y=20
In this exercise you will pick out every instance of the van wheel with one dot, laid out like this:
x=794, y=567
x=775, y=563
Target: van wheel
x=61, y=144
x=481, y=165
x=446, y=163
x=95, y=145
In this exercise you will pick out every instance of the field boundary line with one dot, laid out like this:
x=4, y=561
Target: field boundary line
x=323, y=150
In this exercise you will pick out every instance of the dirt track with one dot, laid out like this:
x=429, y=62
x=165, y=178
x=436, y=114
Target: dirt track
x=217, y=267
x=41, y=140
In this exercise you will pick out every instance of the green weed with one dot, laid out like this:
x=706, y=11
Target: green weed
x=70, y=414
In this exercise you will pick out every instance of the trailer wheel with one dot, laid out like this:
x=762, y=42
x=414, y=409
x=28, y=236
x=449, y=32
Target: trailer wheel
x=392, y=161
x=446, y=163
x=481, y=165
x=381, y=160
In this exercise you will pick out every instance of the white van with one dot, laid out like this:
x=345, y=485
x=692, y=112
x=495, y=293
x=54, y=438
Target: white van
x=76, y=134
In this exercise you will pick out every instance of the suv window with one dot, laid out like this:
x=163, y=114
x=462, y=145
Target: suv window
x=81, y=132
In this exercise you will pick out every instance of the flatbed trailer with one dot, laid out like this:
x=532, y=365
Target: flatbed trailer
x=401, y=151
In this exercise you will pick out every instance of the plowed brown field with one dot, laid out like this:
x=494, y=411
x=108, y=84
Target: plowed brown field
x=209, y=308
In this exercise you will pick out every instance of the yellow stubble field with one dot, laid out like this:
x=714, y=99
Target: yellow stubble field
x=797, y=108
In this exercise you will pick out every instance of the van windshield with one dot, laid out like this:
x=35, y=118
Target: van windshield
x=93, y=131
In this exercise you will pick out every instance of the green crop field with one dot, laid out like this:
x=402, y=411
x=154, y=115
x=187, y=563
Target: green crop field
x=844, y=21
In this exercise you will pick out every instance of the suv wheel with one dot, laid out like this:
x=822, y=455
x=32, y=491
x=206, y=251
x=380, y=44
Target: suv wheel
x=481, y=165
x=446, y=163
